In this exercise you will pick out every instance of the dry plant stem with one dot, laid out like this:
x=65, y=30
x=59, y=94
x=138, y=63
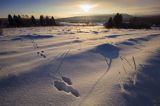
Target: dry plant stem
x=123, y=58
x=135, y=67
x=121, y=82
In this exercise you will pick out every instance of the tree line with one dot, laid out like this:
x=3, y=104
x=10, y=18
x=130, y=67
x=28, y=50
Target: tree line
x=19, y=21
x=115, y=22
x=118, y=22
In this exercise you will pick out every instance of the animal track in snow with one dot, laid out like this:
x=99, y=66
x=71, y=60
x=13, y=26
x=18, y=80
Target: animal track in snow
x=41, y=54
x=61, y=86
x=35, y=45
x=67, y=80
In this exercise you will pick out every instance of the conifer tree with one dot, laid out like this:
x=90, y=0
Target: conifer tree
x=19, y=21
x=110, y=23
x=15, y=18
x=33, y=21
x=47, y=21
x=53, y=22
x=118, y=20
x=10, y=21
x=42, y=21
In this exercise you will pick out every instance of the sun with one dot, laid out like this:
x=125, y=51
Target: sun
x=86, y=7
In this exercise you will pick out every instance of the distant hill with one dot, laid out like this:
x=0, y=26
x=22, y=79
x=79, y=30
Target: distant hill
x=96, y=19
x=93, y=18
x=151, y=19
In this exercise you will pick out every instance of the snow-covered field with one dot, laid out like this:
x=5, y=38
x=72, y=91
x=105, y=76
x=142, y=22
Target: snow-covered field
x=79, y=66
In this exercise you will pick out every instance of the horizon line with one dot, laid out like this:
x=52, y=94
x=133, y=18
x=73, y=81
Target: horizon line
x=56, y=17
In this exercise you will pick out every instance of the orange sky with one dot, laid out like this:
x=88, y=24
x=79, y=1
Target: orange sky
x=68, y=8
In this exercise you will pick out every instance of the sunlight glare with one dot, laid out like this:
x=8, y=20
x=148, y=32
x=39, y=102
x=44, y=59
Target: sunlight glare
x=86, y=7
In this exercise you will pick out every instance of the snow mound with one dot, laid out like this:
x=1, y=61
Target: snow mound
x=107, y=50
x=127, y=43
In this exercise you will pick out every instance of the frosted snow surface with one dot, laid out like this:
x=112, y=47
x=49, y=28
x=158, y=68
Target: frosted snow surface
x=79, y=66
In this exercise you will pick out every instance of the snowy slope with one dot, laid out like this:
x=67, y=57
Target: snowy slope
x=79, y=66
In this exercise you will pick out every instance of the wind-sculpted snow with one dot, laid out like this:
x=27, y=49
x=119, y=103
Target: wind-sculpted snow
x=8, y=53
x=127, y=43
x=32, y=37
x=146, y=92
x=113, y=36
x=79, y=66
